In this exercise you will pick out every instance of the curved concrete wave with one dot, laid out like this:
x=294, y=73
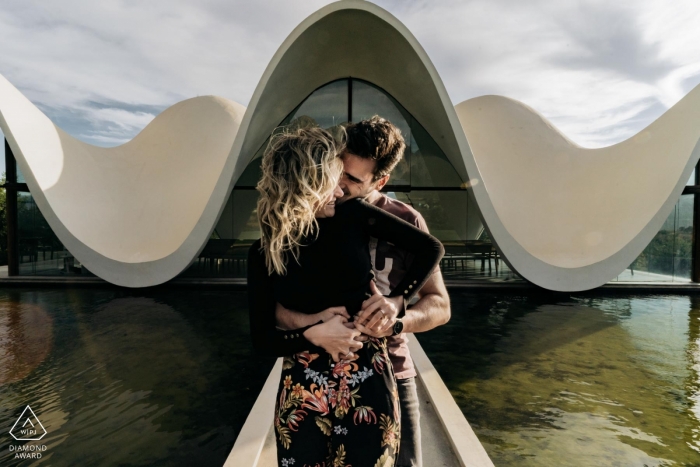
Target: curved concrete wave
x=569, y=218
x=138, y=214
x=564, y=217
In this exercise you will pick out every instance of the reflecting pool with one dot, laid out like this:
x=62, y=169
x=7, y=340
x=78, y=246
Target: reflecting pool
x=127, y=377
x=602, y=381
x=167, y=377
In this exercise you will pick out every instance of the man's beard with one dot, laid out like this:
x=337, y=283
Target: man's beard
x=344, y=198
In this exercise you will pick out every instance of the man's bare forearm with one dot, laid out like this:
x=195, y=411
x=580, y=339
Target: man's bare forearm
x=431, y=310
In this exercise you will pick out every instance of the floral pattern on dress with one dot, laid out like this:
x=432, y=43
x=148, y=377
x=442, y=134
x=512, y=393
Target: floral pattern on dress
x=325, y=395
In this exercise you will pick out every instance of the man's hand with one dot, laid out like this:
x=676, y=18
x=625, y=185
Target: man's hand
x=336, y=338
x=378, y=314
x=329, y=313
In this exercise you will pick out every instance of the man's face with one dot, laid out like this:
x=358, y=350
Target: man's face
x=356, y=181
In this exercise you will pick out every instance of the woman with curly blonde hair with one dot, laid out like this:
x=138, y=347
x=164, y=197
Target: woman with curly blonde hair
x=334, y=407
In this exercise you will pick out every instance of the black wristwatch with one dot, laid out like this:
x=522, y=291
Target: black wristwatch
x=398, y=328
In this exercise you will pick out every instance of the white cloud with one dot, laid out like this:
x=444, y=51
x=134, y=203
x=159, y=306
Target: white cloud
x=599, y=70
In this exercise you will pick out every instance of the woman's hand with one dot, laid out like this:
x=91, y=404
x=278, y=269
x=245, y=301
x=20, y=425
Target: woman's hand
x=336, y=338
x=378, y=314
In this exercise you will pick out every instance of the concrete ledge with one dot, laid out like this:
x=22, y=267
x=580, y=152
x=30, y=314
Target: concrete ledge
x=249, y=444
x=462, y=438
x=448, y=440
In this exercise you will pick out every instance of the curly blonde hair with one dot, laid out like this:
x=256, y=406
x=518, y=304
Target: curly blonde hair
x=300, y=168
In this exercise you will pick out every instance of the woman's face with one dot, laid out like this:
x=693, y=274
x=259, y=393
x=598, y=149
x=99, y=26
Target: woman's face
x=327, y=208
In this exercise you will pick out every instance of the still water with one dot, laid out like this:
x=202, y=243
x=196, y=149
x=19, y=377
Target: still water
x=127, y=378
x=167, y=377
x=612, y=381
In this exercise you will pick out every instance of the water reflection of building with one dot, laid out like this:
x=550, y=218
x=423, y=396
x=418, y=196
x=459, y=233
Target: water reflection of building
x=692, y=434
x=26, y=337
x=345, y=81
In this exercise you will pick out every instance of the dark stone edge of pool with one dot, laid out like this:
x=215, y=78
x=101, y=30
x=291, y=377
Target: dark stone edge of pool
x=516, y=286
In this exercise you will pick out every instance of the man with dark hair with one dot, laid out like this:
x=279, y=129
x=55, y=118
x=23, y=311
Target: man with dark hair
x=374, y=148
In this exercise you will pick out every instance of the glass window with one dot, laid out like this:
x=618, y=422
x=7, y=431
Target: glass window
x=252, y=173
x=668, y=257
x=429, y=165
x=20, y=175
x=368, y=101
x=245, y=220
x=683, y=239
x=444, y=212
x=40, y=251
x=424, y=163
x=691, y=180
x=226, y=252
x=326, y=107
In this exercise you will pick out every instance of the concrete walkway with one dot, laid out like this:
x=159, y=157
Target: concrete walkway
x=448, y=440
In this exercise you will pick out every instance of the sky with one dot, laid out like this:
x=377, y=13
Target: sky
x=600, y=71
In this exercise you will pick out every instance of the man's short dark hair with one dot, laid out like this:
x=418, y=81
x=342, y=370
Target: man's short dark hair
x=378, y=139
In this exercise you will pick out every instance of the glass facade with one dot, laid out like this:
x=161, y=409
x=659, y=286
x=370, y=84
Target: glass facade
x=424, y=179
x=20, y=176
x=40, y=252
x=668, y=257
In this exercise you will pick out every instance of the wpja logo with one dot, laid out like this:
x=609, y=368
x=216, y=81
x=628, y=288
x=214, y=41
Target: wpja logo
x=28, y=428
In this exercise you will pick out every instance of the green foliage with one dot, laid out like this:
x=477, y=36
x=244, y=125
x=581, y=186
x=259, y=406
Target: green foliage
x=669, y=253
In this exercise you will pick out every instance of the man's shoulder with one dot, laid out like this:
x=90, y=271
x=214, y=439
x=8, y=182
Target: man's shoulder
x=401, y=210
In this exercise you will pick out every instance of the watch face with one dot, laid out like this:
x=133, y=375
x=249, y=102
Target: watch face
x=398, y=327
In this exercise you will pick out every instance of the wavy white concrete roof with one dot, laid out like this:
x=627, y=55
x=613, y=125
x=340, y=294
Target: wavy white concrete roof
x=569, y=218
x=129, y=213
x=564, y=217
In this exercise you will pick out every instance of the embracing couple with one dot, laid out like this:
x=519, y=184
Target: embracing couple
x=333, y=284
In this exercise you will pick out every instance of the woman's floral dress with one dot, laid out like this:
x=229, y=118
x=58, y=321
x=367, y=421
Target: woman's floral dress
x=343, y=414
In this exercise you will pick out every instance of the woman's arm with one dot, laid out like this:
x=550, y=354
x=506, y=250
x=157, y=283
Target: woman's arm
x=267, y=339
x=290, y=319
x=426, y=249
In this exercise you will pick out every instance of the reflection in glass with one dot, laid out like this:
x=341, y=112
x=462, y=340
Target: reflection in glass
x=683, y=238
x=327, y=106
x=444, y=212
x=245, y=221
x=40, y=251
x=368, y=101
x=429, y=165
x=668, y=257
x=252, y=173
x=226, y=252
x=20, y=175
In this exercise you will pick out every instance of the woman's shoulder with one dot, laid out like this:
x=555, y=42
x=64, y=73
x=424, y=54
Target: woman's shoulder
x=354, y=207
